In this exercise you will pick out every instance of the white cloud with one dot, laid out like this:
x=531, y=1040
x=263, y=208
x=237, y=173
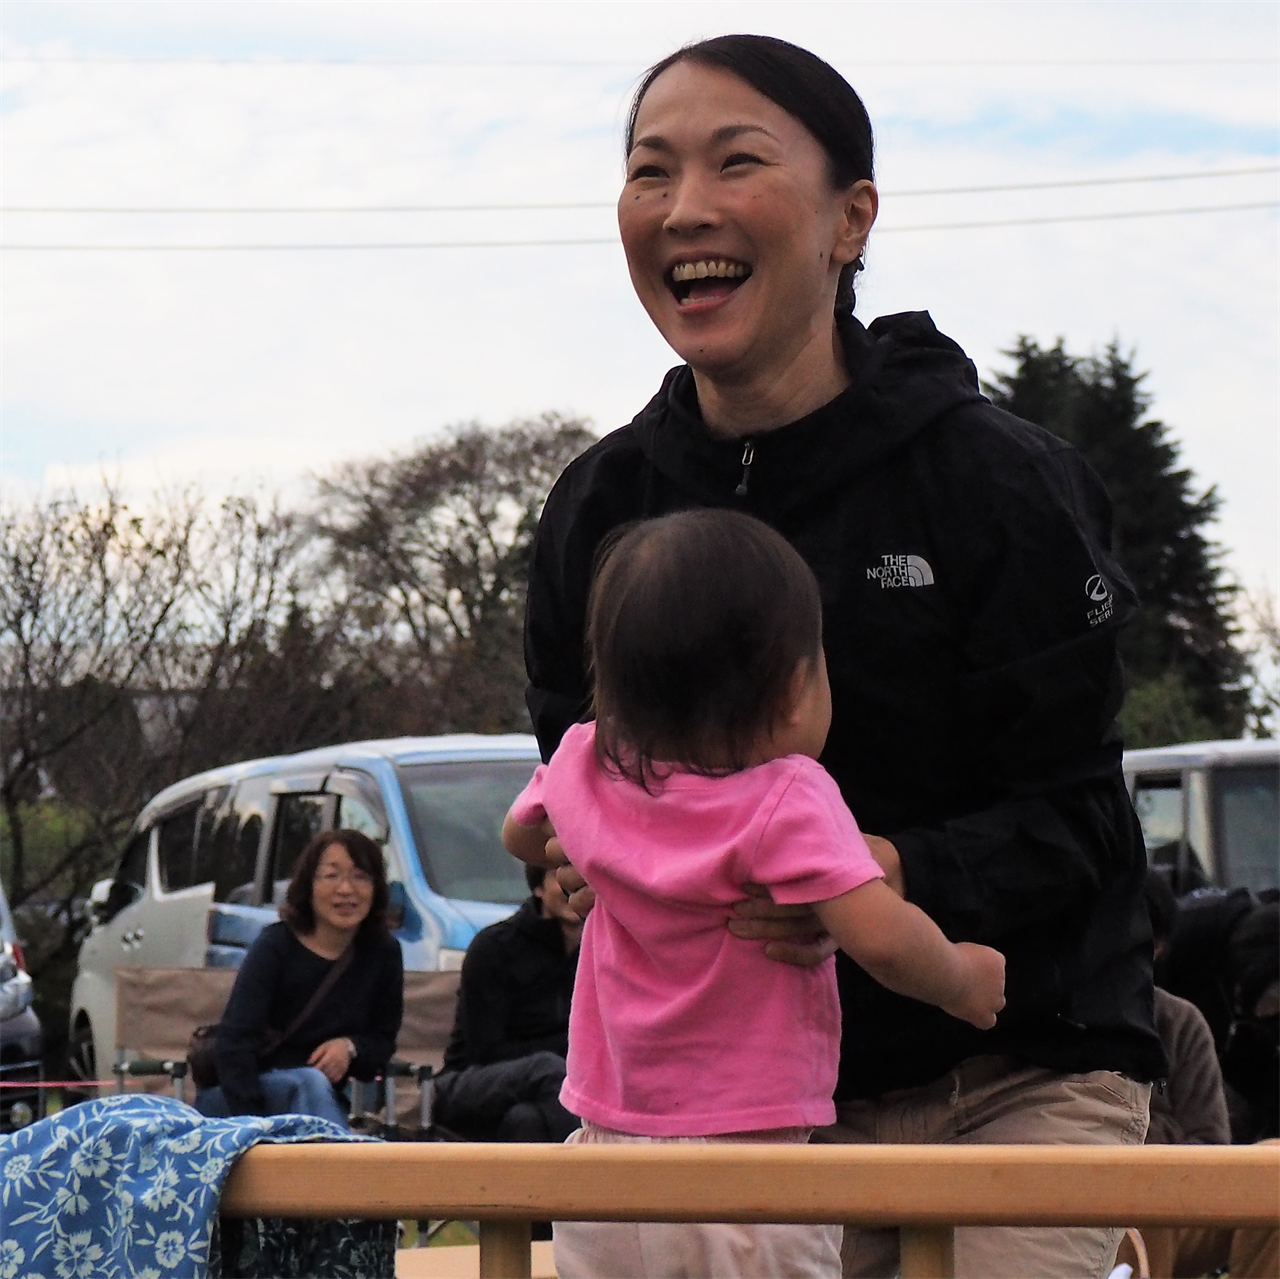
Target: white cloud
x=230, y=367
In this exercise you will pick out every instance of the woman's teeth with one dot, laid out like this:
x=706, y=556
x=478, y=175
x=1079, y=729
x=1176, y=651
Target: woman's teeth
x=720, y=270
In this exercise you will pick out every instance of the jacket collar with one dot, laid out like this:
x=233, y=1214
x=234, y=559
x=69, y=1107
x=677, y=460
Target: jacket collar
x=905, y=376
x=530, y=921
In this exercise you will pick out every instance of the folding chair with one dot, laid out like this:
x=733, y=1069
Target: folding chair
x=430, y=1001
x=1133, y=1253
x=156, y=1011
x=158, y=1008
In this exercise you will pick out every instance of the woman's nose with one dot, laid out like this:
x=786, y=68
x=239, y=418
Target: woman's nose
x=692, y=206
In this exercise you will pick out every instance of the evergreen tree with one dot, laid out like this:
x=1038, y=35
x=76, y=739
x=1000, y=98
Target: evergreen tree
x=1185, y=673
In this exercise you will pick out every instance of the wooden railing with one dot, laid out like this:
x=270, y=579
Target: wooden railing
x=926, y=1190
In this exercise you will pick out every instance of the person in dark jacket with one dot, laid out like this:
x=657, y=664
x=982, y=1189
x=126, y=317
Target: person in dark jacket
x=506, y=1057
x=971, y=607
x=1191, y=1107
x=334, y=913
x=1191, y=1110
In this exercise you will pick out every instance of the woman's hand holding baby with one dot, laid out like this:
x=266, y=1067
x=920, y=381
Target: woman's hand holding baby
x=887, y=858
x=794, y=934
x=983, y=997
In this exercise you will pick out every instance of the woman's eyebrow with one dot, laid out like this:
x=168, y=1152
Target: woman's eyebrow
x=726, y=133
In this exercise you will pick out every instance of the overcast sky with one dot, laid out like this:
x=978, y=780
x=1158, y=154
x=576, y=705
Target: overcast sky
x=166, y=365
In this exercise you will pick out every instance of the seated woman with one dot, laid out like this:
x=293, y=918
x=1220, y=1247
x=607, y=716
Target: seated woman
x=334, y=914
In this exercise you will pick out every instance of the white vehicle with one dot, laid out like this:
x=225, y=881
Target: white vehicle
x=1210, y=812
x=208, y=860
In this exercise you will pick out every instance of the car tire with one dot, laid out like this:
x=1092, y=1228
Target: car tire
x=82, y=1063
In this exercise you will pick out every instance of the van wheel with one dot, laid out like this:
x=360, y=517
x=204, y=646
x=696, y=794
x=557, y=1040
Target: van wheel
x=82, y=1063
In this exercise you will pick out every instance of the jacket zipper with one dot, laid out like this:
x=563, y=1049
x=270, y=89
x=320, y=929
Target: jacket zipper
x=748, y=456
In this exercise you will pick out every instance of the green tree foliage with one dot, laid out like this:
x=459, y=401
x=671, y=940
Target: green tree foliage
x=1185, y=672
x=140, y=646
x=431, y=551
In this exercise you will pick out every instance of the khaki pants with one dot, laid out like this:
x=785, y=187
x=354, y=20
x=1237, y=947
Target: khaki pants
x=666, y=1250
x=993, y=1101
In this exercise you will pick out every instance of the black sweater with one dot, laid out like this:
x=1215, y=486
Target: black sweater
x=276, y=980
x=971, y=606
x=517, y=982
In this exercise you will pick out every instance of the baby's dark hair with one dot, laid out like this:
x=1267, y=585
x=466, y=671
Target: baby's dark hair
x=696, y=624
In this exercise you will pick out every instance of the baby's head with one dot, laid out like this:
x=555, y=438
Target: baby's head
x=704, y=633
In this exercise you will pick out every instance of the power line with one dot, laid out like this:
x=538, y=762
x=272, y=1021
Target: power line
x=535, y=244
x=609, y=204
x=630, y=63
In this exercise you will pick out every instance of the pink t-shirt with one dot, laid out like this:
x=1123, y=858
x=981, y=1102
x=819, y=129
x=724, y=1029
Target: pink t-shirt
x=678, y=1028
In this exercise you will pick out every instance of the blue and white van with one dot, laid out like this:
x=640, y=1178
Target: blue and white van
x=208, y=860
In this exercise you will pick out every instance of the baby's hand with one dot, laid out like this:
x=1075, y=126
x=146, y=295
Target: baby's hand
x=983, y=996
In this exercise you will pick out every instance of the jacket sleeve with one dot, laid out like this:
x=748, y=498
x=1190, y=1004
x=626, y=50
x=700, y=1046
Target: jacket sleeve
x=558, y=693
x=1042, y=687
x=376, y=1043
x=1193, y=1108
x=244, y=1026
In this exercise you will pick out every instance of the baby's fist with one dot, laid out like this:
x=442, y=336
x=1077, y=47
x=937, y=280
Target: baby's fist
x=984, y=995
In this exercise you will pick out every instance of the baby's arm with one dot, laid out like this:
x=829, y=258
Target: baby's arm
x=528, y=843
x=903, y=949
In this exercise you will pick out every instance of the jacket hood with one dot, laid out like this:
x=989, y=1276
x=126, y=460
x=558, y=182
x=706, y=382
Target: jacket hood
x=905, y=375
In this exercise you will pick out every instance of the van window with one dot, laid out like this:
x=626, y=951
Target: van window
x=215, y=833
x=355, y=814
x=130, y=883
x=456, y=811
x=1247, y=819
x=1158, y=803
x=299, y=818
x=133, y=865
x=234, y=875
x=176, y=846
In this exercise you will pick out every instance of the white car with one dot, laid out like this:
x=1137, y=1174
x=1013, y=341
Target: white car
x=208, y=860
x=1210, y=812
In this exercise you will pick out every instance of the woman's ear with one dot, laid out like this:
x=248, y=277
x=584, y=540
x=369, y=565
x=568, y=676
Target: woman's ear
x=860, y=204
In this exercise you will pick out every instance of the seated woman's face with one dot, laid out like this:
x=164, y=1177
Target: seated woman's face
x=722, y=178
x=341, y=893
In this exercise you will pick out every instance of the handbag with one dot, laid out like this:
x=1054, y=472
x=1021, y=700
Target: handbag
x=202, y=1050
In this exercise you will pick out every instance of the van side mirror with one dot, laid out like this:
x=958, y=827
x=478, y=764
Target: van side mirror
x=99, y=899
x=397, y=902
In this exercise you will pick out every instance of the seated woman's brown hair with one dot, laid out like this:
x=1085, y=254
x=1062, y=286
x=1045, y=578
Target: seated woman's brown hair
x=298, y=911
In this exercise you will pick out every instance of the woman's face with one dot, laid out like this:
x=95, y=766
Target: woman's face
x=341, y=893
x=726, y=187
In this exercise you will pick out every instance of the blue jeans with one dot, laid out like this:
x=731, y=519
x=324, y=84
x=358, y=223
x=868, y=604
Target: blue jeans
x=301, y=1090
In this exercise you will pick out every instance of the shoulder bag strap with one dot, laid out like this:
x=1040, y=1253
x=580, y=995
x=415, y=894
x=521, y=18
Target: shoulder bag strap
x=340, y=966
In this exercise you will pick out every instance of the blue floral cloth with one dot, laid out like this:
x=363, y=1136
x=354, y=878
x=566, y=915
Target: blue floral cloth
x=125, y=1187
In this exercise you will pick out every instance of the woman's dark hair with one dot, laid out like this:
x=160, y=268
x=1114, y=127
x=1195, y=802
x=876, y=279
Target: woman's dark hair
x=696, y=624
x=534, y=876
x=805, y=87
x=365, y=855
x=1254, y=954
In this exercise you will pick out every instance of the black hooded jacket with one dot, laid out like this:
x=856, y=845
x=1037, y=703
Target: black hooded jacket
x=515, y=990
x=971, y=607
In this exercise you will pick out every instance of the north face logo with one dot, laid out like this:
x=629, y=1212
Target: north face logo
x=901, y=570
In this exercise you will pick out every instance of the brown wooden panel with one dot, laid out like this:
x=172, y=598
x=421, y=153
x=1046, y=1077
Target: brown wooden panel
x=872, y=1185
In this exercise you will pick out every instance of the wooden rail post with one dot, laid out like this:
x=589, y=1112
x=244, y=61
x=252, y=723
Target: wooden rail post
x=928, y=1252
x=504, y=1250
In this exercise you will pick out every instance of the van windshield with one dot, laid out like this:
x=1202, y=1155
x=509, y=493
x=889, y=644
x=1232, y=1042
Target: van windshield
x=456, y=811
x=1247, y=816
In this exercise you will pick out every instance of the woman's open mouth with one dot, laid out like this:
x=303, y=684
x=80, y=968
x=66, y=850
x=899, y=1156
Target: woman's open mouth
x=706, y=279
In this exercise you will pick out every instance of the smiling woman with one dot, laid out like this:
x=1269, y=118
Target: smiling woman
x=959, y=552
x=319, y=996
x=742, y=212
